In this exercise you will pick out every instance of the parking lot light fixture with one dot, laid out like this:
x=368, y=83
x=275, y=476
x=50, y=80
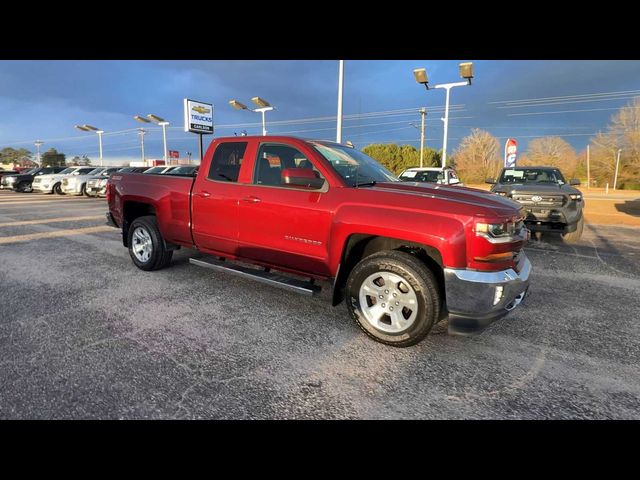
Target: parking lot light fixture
x=466, y=72
x=420, y=75
x=141, y=119
x=237, y=105
x=163, y=123
x=263, y=106
x=91, y=128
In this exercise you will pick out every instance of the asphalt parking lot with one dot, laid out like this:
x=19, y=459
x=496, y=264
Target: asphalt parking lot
x=85, y=334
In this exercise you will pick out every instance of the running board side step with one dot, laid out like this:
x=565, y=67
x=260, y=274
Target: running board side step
x=268, y=277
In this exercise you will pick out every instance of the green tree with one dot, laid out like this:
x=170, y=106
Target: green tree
x=52, y=158
x=398, y=158
x=17, y=156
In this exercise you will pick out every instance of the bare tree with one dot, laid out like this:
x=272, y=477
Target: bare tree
x=477, y=157
x=622, y=133
x=552, y=152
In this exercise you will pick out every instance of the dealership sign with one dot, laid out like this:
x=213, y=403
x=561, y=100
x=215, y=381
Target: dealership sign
x=510, y=152
x=198, y=117
x=174, y=154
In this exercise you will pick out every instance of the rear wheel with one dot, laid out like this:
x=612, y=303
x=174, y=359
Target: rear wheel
x=393, y=297
x=574, y=236
x=146, y=246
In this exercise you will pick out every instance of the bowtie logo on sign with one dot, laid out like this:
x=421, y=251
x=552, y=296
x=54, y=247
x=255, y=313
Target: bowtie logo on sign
x=510, y=152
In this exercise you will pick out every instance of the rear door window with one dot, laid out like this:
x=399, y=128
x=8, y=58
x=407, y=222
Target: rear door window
x=226, y=162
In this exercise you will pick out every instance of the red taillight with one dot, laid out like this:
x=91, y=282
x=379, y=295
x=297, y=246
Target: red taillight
x=107, y=192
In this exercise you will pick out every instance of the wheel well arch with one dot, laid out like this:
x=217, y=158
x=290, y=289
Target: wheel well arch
x=359, y=246
x=130, y=211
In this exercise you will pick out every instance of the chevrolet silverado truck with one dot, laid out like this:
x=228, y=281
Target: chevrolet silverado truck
x=551, y=204
x=403, y=256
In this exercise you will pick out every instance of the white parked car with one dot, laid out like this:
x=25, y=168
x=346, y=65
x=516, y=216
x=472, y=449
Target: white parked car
x=77, y=184
x=52, y=182
x=442, y=176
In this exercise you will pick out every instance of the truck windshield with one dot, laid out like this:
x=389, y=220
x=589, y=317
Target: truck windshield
x=414, y=176
x=67, y=170
x=352, y=165
x=532, y=175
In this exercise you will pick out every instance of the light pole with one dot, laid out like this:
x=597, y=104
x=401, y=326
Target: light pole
x=615, y=177
x=163, y=123
x=142, y=132
x=38, y=144
x=423, y=113
x=89, y=128
x=263, y=107
x=189, y=155
x=466, y=72
x=340, y=94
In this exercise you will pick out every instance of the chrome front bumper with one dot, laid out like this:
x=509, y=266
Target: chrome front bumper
x=476, y=299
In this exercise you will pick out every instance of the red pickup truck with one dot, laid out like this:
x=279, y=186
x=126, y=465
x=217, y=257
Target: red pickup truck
x=404, y=255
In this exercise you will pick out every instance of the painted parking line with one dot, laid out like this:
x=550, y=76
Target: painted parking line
x=51, y=220
x=56, y=233
x=33, y=202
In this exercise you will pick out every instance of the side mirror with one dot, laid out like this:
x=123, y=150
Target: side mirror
x=301, y=177
x=574, y=181
x=491, y=181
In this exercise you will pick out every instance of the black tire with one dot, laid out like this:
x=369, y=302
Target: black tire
x=160, y=257
x=414, y=272
x=83, y=189
x=24, y=187
x=574, y=237
x=57, y=189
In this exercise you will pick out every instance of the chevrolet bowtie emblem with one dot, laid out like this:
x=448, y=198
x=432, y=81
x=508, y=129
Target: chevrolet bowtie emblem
x=200, y=109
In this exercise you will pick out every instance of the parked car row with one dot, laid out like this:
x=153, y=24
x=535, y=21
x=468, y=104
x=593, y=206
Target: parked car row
x=88, y=181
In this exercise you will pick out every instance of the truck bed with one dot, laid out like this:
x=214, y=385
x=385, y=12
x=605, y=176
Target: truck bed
x=168, y=195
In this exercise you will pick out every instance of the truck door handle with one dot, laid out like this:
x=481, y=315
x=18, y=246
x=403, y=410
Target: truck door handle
x=251, y=199
x=205, y=194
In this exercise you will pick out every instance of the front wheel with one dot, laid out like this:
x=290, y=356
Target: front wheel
x=574, y=236
x=146, y=246
x=57, y=189
x=393, y=297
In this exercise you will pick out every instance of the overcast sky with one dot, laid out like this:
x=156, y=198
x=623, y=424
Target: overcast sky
x=45, y=99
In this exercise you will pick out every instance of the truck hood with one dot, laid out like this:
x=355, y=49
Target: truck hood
x=464, y=200
x=536, y=188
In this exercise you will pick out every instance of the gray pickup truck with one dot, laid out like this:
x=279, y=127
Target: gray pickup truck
x=551, y=203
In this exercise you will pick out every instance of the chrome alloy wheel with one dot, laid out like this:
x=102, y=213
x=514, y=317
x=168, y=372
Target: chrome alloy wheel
x=142, y=244
x=388, y=302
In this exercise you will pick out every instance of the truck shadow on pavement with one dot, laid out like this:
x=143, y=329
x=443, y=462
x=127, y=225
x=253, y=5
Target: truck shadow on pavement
x=630, y=207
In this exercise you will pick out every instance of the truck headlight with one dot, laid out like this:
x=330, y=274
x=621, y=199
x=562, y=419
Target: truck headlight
x=499, y=232
x=575, y=196
x=502, y=194
x=10, y=179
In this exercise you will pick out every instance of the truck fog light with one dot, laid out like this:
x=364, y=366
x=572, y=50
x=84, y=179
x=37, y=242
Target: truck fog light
x=498, y=295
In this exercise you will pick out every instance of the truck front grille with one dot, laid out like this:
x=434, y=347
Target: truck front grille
x=554, y=200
